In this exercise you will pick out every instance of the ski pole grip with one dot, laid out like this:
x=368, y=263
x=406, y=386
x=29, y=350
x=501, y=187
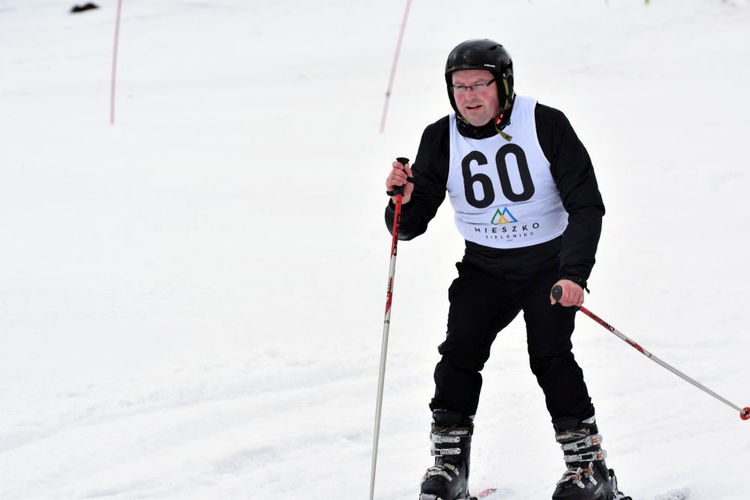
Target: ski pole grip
x=557, y=292
x=399, y=189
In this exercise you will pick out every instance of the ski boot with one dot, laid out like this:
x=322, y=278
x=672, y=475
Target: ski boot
x=448, y=479
x=587, y=477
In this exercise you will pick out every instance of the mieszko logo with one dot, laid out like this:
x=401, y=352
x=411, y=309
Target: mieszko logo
x=507, y=226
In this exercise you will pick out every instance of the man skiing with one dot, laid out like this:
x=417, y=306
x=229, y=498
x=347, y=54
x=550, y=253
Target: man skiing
x=526, y=201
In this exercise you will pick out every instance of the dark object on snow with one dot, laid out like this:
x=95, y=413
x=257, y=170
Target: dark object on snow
x=83, y=8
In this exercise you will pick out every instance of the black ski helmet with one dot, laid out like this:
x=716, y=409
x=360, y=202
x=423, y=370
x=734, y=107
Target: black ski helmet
x=487, y=55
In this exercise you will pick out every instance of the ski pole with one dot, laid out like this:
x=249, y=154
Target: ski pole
x=744, y=412
x=399, y=191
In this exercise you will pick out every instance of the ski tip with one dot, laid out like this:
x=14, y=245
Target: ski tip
x=486, y=493
x=745, y=414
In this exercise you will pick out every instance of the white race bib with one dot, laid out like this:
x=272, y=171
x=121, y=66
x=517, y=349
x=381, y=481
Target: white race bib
x=502, y=192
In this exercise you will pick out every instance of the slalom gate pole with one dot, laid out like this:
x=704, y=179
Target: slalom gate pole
x=744, y=412
x=386, y=330
x=114, y=64
x=393, y=66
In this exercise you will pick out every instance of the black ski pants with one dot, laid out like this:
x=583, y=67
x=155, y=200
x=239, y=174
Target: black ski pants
x=481, y=305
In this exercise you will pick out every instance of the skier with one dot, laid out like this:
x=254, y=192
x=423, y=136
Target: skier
x=526, y=201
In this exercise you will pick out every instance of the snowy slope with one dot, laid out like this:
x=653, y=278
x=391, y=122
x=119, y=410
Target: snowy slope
x=192, y=299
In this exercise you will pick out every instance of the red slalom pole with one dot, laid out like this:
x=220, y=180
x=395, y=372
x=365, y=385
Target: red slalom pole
x=386, y=330
x=393, y=66
x=744, y=412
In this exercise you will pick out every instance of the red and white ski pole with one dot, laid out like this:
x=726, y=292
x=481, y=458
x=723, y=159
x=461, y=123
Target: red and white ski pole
x=386, y=328
x=744, y=412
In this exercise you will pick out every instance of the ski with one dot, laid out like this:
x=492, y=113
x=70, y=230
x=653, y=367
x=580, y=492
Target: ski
x=486, y=493
x=681, y=494
x=492, y=494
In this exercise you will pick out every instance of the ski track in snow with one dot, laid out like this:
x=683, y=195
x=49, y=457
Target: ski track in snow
x=681, y=494
x=221, y=420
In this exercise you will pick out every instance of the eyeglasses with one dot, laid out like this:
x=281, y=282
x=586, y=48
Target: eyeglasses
x=477, y=88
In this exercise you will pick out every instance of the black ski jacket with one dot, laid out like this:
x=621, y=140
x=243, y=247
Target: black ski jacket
x=573, y=252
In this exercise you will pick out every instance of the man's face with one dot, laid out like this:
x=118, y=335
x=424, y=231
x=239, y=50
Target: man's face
x=477, y=105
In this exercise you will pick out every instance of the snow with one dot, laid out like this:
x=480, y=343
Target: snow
x=192, y=299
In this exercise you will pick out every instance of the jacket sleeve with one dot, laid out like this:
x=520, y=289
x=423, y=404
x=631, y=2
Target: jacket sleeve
x=573, y=172
x=430, y=171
